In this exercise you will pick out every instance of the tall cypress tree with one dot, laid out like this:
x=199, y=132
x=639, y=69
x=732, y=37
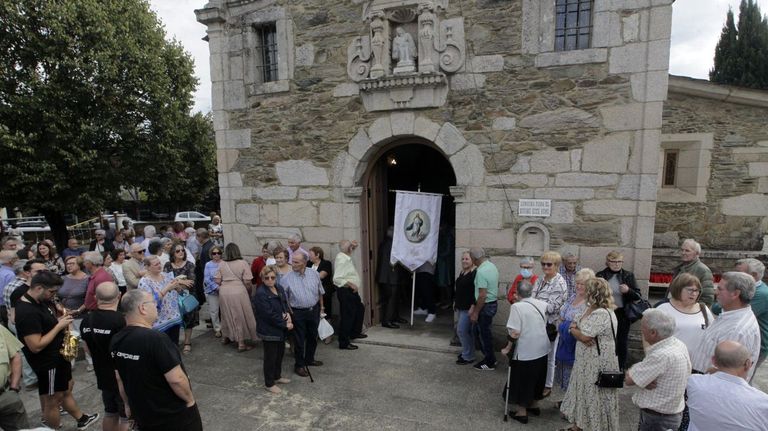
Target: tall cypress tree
x=741, y=55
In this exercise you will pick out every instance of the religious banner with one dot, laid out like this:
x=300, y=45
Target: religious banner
x=417, y=222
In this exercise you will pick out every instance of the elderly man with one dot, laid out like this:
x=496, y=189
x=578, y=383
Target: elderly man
x=101, y=243
x=723, y=400
x=93, y=262
x=305, y=296
x=133, y=268
x=13, y=415
x=662, y=374
x=73, y=248
x=150, y=375
x=294, y=245
x=737, y=322
x=149, y=236
x=690, y=263
x=759, y=302
x=568, y=270
x=43, y=335
x=10, y=243
x=351, y=308
x=486, y=291
x=7, y=259
x=97, y=329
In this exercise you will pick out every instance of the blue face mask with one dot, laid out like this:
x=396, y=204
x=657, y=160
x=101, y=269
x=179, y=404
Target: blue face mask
x=526, y=273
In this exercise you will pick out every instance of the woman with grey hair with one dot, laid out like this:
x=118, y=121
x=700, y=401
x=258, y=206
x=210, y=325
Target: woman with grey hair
x=101, y=243
x=216, y=230
x=165, y=289
x=526, y=273
x=527, y=352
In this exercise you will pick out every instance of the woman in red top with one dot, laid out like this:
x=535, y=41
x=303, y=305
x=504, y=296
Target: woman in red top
x=259, y=263
x=526, y=273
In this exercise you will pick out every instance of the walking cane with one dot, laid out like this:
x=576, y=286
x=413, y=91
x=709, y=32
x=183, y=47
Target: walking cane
x=506, y=401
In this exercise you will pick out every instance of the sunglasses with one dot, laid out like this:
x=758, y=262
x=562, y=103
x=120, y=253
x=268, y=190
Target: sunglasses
x=547, y=264
x=216, y=253
x=179, y=251
x=270, y=277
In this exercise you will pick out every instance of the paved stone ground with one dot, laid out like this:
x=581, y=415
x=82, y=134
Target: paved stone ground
x=385, y=385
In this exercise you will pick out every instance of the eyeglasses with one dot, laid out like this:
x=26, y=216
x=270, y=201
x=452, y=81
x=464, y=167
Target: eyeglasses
x=179, y=251
x=140, y=251
x=691, y=290
x=270, y=277
x=615, y=261
x=214, y=253
x=547, y=264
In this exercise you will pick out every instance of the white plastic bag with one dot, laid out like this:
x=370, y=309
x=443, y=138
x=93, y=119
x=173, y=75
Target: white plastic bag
x=324, y=330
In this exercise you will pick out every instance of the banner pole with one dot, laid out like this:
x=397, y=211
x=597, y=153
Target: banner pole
x=413, y=294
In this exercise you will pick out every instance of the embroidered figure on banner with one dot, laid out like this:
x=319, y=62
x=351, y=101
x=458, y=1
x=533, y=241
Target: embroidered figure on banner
x=417, y=226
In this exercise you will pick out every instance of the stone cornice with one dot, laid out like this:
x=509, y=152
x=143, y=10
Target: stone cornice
x=724, y=93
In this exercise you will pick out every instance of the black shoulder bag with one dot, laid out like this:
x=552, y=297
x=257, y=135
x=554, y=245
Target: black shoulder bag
x=550, y=327
x=609, y=379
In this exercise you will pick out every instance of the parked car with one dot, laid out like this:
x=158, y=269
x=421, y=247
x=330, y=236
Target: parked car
x=111, y=219
x=33, y=226
x=186, y=216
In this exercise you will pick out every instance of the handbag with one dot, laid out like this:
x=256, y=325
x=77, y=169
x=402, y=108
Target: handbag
x=187, y=303
x=634, y=310
x=609, y=379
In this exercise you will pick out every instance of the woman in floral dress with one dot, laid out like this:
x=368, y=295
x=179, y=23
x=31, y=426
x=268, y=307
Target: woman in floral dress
x=587, y=406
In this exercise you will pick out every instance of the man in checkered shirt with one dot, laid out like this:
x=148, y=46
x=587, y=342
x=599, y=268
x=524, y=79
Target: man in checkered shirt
x=662, y=375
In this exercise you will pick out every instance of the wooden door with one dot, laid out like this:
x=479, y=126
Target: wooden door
x=375, y=220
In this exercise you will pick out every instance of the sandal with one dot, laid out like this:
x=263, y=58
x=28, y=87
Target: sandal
x=546, y=392
x=243, y=348
x=187, y=348
x=217, y=334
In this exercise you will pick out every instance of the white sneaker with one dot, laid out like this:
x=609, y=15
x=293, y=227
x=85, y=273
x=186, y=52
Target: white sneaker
x=420, y=312
x=430, y=318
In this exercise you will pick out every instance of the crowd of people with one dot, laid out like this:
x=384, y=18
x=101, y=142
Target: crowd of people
x=132, y=298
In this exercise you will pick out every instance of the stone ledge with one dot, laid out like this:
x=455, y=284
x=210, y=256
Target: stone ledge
x=724, y=93
x=566, y=58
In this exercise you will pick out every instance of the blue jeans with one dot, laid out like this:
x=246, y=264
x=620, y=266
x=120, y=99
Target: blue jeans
x=484, y=322
x=464, y=331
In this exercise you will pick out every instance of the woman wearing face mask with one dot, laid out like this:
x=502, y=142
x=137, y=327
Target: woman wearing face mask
x=526, y=273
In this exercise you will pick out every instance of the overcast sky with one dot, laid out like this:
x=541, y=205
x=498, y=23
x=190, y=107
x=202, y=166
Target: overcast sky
x=696, y=26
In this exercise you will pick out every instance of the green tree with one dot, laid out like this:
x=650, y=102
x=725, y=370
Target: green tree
x=94, y=98
x=741, y=55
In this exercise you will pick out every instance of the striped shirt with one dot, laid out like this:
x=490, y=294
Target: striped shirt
x=735, y=325
x=303, y=290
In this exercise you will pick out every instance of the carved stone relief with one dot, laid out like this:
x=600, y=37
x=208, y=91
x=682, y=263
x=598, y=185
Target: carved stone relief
x=402, y=63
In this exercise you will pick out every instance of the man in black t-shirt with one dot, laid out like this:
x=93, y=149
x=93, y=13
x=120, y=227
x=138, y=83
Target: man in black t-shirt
x=97, y=329
x=149, y=372
x=43, y=335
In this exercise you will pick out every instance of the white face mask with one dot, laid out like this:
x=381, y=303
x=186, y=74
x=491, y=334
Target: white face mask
x=526, y=273
x=271, y=261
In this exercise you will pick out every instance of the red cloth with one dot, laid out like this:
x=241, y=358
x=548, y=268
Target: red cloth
x=513, y=287
x=258, y=264
x=98, y=277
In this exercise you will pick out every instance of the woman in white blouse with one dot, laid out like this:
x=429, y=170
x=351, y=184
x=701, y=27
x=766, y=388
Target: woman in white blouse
x=691, y=316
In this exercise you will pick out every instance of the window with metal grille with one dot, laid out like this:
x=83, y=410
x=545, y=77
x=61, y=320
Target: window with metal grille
x=670, y=168
x=268, y=47
x=573, y=20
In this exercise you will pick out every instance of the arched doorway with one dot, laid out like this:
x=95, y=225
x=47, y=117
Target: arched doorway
x=412, y=164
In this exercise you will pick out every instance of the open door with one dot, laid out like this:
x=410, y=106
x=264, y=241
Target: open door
x=375, y=227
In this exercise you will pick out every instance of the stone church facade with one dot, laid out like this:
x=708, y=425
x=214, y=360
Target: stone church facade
x=561, y=101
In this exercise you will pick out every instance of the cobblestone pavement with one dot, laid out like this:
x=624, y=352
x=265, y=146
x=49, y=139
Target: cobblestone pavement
x=385, y=385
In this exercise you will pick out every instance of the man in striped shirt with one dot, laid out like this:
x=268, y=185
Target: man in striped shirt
x=305, y=296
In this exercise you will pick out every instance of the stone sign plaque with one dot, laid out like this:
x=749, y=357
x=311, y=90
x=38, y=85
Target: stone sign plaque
x=534, y=208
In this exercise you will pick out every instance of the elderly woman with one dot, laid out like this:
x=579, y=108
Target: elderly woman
x=527, y=353
x=566, y=344
x=526, y=273
x=691, y=316
x=216, y=230
x=463, y=302
x=165, y=289
x=47, y=252
x=116, y=268
x=150, y=234
x=234, y=279
x=690, y=251
x=120, y=243
x=101, y=243
x=180, y=267
x=282, y=262
x=552, y=289
x=624, y=289
x=211, y=288
x=273, y=323
x=586, y=405
x=164, y=253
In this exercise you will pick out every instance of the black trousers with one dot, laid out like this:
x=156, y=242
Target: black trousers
x=622, y=335
x=328, y=302
x=305, y=330
x=273, y=361
x=425, y=292
x=388, y=298
x=187, y=420
x=351, y=313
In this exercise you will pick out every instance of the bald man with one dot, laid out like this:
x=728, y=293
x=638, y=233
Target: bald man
x=150, y=375
x=97, y=329
x=724, y=400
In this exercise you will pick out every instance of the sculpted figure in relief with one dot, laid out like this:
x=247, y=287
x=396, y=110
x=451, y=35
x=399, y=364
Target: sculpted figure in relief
x=403, y=50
